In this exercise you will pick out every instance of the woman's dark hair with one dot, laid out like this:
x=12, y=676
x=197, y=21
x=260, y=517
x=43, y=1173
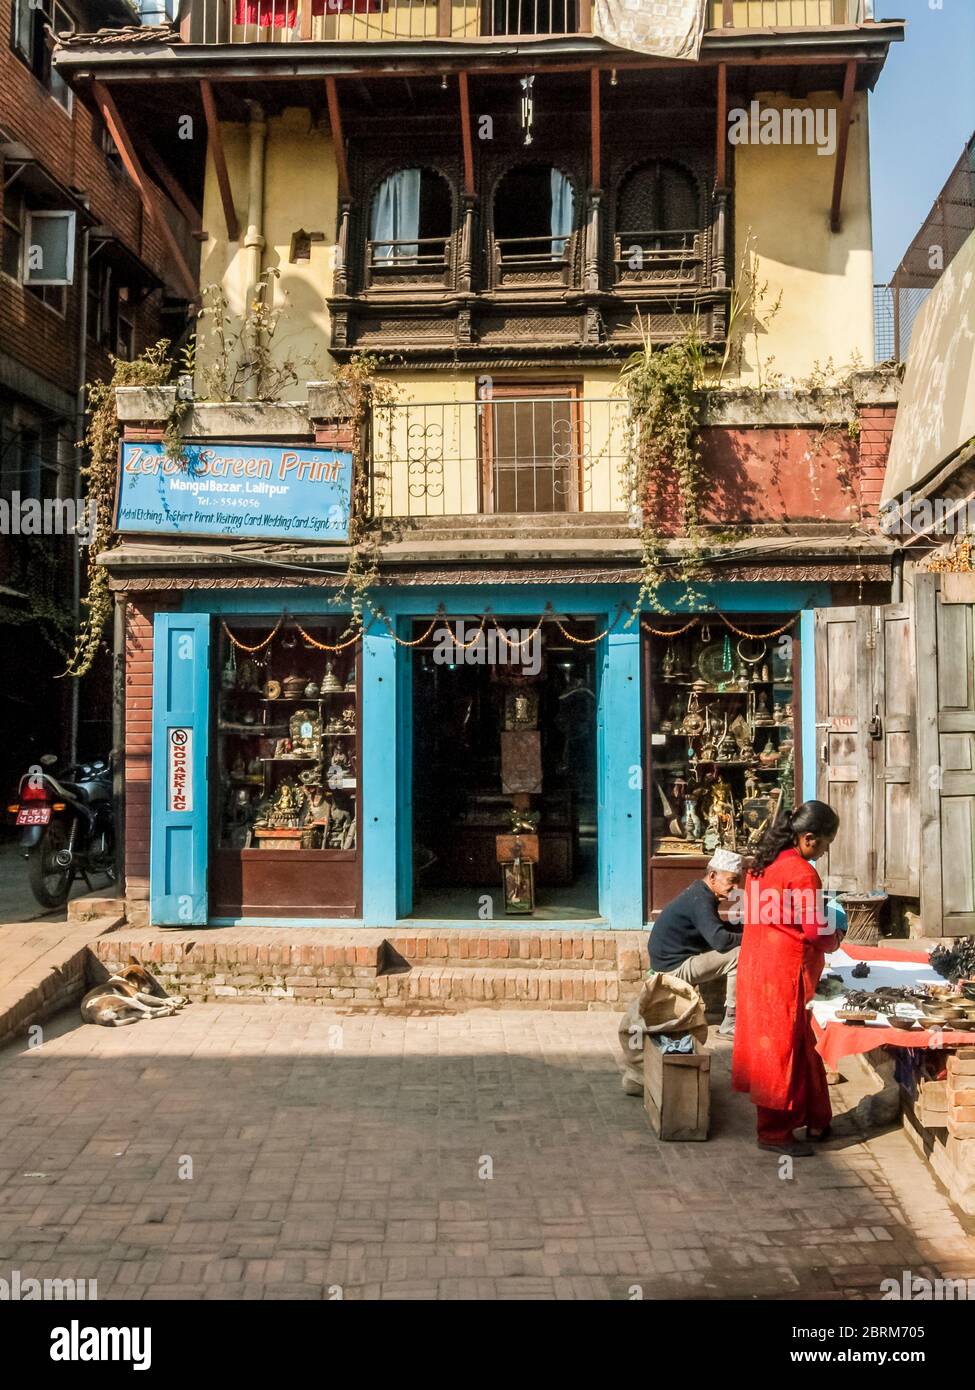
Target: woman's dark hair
x=811, y=818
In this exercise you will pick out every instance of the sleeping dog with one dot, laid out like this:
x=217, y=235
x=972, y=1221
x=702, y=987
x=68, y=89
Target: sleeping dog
x=128, y=996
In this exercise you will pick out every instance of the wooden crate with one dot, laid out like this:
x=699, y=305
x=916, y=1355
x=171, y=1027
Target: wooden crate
x=677, y=1091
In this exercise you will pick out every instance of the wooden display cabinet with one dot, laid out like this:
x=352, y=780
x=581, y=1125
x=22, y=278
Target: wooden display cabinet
x=252, y=875
x=668, y=688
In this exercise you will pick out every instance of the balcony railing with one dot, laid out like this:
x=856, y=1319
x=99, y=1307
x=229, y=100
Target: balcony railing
x=541, y=453
x=420, y=261
x=356, y=21
x=786, y=14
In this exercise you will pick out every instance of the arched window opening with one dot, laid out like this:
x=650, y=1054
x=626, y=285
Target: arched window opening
x=410, y=221
x=534, y=208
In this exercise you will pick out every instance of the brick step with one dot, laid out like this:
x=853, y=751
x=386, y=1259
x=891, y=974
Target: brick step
x=458, y=988
x=624, y=953
x=356, y=968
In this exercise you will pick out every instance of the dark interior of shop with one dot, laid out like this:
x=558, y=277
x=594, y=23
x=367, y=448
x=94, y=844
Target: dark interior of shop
x=465, y=708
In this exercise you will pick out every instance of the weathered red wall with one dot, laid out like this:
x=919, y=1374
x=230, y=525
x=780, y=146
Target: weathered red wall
x=764, y=475
x=761, y=476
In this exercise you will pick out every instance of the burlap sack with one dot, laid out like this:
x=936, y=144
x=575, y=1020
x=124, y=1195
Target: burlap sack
x=665, y=1004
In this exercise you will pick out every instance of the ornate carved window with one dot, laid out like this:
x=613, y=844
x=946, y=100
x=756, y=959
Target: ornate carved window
x=410, y=231
x=660, y=225
x=534, y=222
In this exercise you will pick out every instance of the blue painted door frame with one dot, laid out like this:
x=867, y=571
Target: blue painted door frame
x=387, y=719
x=179, y=803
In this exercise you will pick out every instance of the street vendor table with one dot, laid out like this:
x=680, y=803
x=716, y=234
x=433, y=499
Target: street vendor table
x=888, y=966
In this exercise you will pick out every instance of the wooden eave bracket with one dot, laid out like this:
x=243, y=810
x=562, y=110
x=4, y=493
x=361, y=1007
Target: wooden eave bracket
x=721, y=130
x=216, y=149
x=338, y=140
x=151, y=198
x=465, y=133
x=842, y=144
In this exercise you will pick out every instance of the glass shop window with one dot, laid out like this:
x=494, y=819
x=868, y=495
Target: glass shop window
x=723, y=713
x=287, y=737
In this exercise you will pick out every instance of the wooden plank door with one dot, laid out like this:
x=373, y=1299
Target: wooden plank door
x=845, y=646
x=894, y=737
x=946, y=728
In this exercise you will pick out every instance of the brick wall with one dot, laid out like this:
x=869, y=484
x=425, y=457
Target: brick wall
x=876, y=428
x=138, y=739
x=69, y=148
x=339, y=436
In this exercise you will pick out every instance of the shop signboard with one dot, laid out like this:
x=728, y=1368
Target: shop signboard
x=250, y=491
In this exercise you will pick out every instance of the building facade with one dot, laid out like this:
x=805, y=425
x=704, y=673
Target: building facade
x=82, y=276
x=484, y=220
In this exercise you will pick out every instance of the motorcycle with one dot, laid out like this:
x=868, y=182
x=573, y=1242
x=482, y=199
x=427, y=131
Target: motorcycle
x=68, y=827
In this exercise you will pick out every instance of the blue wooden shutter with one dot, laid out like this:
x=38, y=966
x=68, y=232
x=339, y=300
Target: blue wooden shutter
x=180, y=730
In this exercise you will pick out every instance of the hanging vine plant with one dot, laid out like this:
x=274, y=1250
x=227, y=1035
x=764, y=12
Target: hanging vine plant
x=662, y=386
x=363, y=390
x=153, y=368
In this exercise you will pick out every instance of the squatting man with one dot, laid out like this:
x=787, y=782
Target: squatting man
x=690, y=940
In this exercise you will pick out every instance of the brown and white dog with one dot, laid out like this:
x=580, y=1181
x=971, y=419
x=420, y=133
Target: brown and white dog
x=127, y=997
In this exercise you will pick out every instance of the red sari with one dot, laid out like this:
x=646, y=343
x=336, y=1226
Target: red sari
x=782, y=956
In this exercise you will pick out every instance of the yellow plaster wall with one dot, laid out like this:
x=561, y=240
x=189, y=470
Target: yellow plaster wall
x=782, y=201
x=300, y=192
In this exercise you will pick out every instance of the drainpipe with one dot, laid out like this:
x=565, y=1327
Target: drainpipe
x=254, y=236
x=79, y=433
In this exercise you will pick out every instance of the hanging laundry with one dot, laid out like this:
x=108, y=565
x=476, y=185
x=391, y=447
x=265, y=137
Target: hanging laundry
x=267, y=14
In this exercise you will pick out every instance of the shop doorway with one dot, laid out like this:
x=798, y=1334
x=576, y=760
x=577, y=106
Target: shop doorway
x=497, y=729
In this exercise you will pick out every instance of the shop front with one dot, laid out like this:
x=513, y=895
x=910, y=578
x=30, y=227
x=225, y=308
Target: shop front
x=468, y=757
x=526, y=754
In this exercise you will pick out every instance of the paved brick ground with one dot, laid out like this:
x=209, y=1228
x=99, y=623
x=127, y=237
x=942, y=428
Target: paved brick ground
x=360, y=1168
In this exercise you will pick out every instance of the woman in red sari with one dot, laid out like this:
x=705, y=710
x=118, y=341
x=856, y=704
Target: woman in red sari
x=786, y=938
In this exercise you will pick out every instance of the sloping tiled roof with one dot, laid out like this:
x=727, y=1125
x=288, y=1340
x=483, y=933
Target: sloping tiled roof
x=121, y=38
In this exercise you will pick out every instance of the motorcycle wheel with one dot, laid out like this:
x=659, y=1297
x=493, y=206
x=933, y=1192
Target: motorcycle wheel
x=49, y=883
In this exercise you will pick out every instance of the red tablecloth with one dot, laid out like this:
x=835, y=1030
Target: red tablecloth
x=837, y=1040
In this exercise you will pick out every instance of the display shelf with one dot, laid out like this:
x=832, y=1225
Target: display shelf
x=707, y=800
x=311, y=795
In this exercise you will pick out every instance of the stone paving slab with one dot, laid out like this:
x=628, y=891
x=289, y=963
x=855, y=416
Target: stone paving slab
x=256, y=1152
